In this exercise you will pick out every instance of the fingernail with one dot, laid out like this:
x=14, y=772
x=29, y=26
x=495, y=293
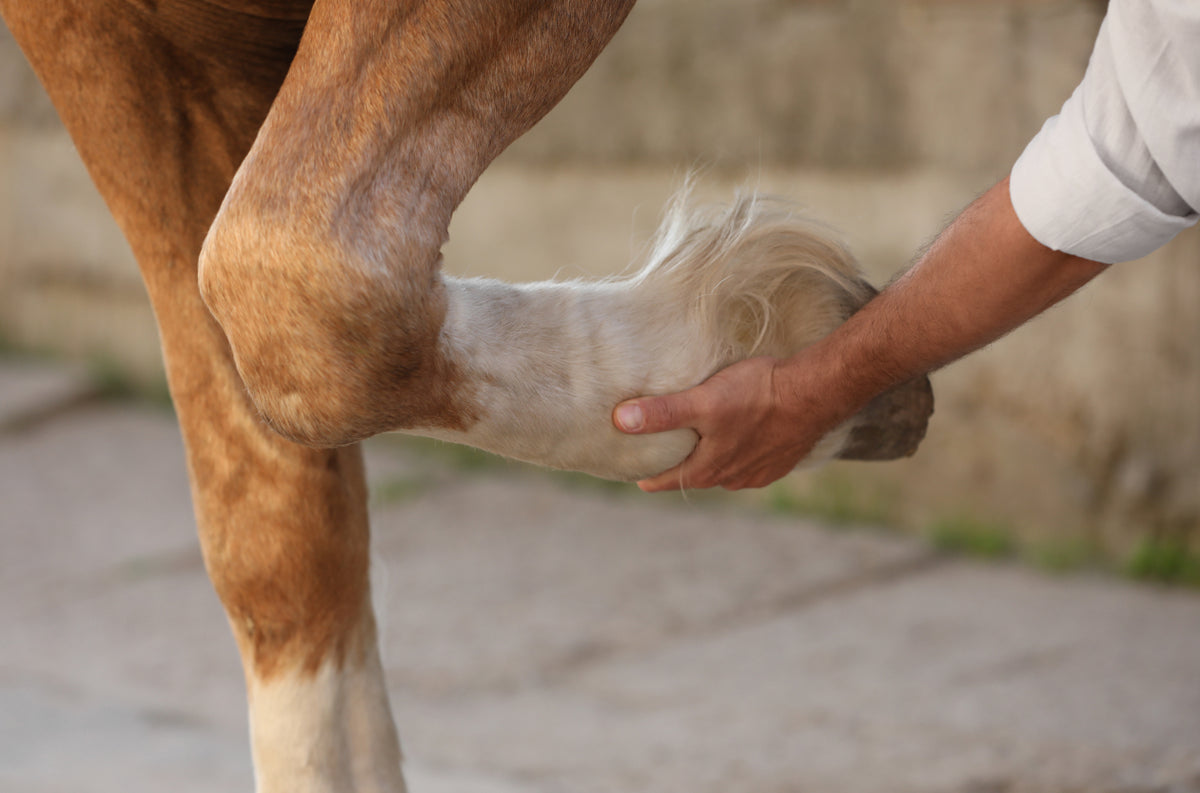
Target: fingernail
x=630, y=417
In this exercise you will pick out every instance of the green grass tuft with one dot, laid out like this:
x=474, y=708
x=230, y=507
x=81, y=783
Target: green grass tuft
x=1164, y=561
x=834, y=499
x=398, y=490
x=1063, y=556
x=971, y=536
x=8, y=347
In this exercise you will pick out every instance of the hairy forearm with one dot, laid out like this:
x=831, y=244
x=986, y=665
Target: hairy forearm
x=984, y=276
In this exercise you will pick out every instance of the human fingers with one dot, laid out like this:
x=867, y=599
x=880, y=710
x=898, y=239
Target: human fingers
x=732, y=460
x=696, y=472
x=666, y=481
x=712, y=462
x=654, y=414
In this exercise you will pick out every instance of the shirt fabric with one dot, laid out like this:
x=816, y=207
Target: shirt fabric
x=1116, y=174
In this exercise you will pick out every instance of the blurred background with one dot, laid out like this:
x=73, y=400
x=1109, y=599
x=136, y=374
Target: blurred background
x=1076, y=437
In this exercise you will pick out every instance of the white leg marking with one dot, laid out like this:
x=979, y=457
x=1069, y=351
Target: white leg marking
x=326, y=732
x=550, y=360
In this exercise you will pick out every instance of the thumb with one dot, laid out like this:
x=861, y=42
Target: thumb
x=653, y=414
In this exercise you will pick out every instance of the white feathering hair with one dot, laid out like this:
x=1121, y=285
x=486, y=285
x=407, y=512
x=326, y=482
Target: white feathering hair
x=757, y=276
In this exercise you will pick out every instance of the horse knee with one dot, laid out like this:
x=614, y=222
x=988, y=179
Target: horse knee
x=330, y=348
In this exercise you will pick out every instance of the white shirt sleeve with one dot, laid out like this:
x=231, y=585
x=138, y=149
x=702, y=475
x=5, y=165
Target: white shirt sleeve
x=1116, y=174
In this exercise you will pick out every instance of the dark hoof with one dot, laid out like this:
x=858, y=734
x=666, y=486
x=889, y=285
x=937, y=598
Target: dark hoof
x=892, y=425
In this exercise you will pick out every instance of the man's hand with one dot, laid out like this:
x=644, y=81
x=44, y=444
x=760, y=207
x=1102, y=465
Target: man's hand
x=751, y=433
x=984, y=276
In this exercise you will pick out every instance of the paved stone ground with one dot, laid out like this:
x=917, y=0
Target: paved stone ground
x=542, y=639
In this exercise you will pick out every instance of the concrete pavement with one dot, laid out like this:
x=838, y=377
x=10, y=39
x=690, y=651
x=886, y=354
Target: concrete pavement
x=540, y=638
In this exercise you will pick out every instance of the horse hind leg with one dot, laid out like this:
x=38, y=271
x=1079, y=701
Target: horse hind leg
x=283, y=528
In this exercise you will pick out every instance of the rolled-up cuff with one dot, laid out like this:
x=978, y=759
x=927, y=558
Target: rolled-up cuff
x=1068, y=199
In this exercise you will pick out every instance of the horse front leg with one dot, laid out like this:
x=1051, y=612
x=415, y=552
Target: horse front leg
x=286, y=543
x=323, y=265
x=162, y=119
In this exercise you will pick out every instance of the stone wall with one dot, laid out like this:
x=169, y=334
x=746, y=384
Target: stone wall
x=861, y=84
x=882, y=116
